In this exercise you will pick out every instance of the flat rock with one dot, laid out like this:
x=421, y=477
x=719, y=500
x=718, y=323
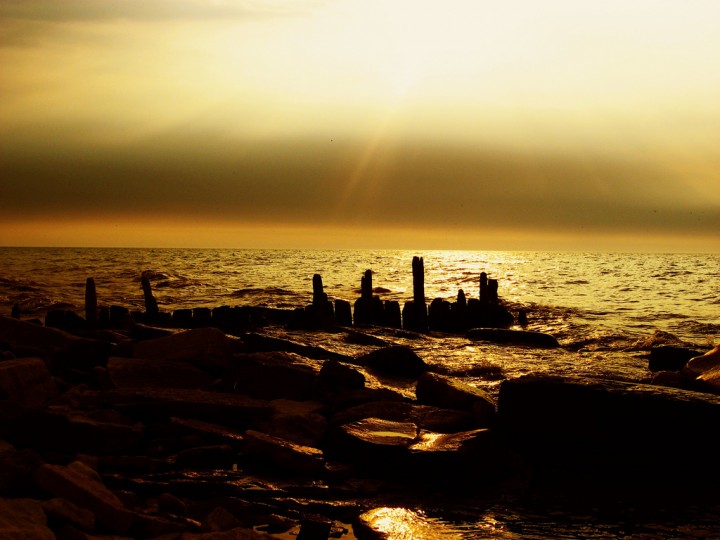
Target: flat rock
x=390, y=523
x=283, y=454
x=395, y=361
x=271, y=375
x=26, y=381
x=23, y=519
x=203, y=347
x=425, y=417
x=378, y=443
x=86, y=492
x=143, y=373
x=440, y=391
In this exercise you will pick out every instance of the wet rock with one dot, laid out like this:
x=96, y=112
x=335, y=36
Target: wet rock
x=283, y=454
x=314, y=529
x=302, y=422
x=86, y=492
x=161, y=404
x=220, y=519
x=233, y=534
x=259, y=343
x=171, y=504
x=424, y=416
x=514, y=337
x=382, y=443
x=64, y=511
x=709, y=381
x=154, y=526
x=434, y=389
x=610, y=430
x=202, y=347
x=271, y=375
x=206, y=457
x=23, y=519
x=458, y=458
x=66, y=431
x=700, y=364
x=208, y=431
x=335, y=376
x=397, y=361
x=60, y=348
x=142, y=373
x=26, y=381
x=670, y=358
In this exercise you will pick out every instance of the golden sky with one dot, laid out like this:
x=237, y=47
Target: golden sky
x=361, y=123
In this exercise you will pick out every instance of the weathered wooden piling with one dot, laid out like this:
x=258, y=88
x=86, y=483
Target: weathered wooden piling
x=415, y=314
x=319, y=296
x=151, y=307
x=483, y=287
x=91, y=310
x=363, y=305
x=492, y=291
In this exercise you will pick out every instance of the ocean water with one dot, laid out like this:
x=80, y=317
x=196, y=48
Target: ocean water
x=606, y=309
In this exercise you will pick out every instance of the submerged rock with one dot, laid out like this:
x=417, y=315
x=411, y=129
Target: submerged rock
x=397, y=361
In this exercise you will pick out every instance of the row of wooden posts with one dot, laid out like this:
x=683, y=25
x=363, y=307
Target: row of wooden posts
x=368, y=309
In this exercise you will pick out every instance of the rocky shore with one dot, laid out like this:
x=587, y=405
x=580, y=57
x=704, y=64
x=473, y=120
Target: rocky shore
x=147, y=432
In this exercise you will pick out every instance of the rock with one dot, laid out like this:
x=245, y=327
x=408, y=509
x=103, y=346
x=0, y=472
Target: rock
x=514, y=337
x=142, y=373
x=26, y=381
x=17, y=469
x=700, y=364
x=220, y=519
x=336, y=377
x=206, y=457
x=238, y=533
x=152, y=526
x=434, y=389
x=153, y=404
x=271, y=375
x=22, y=519
x=64, y=511
x=610, y=431
x=283, y=454
x=458, y=458
x=60, y=348
x=381, y=444
x=211, y=432
x=202, y=347
x=710, y=380
x=670, y=358
x=85, y=492
x=424, y=416
x=397, y=361
x=171, y=504
x=66, y=431
x=302, y=422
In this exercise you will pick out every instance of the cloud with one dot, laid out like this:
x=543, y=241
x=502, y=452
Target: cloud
x=312, y=182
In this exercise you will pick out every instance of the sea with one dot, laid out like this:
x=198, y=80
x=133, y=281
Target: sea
x=606, y=309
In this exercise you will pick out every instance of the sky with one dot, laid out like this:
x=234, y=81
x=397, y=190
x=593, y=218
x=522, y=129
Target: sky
x=453, y=124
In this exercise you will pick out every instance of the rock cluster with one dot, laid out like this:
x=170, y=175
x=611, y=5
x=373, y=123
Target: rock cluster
x=197, y=434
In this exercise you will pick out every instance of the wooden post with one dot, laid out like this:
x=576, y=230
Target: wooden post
x=418, y=269
x=483, y=287
x=319, y=297
x=91, y=311
x=366, y=286
x=151, y=307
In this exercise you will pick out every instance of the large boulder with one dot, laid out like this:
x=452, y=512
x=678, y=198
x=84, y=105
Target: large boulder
x=61, y=349
x=279, y=453
x=26, y=381
x=395, y=361
x=22, y=519
x=610, y=429
x=271, y=375
x=700, y=364
x=440, y=391
x=203, y=347
x=78, y=485
x=142, y=373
